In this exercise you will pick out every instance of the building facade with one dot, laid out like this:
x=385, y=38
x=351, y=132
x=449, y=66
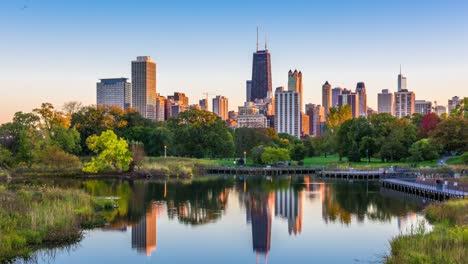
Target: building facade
x=422, y=107
x=335, y=93
x=252, y=120
x=204, y=104
x=287, y=112
x=220, y=107
x=440, y=110
x=452, y=103
x=361, y=90
x=144, y=86
x=327, y=97
x=160, y=108
x=114, y=92
x=248, y=89
x=347, y=97
x=385, y=102
x=295, y=84
x=404, y=103
x=316, y=115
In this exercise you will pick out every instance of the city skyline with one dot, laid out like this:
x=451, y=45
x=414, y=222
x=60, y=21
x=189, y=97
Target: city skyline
x=435, y=72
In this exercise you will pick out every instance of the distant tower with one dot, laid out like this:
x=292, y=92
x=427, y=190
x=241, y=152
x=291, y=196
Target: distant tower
x=248, y=88
x=385, y=102
x=261, y=73
x=326, y=97
x=404, y=103
x=335, y=93
x=288, y=118
x=114, y=92
x=361, y=90
x=144, y=86
x=349, y=98
x=295, y=84
x=220, y=107
x=401, y=82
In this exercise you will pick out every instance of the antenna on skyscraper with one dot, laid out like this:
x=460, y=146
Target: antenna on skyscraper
x=400, y=69
x=257, y=38
x=266, y=41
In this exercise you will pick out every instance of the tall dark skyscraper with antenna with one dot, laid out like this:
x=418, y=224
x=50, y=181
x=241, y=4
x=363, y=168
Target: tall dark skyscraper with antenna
x=261, y=73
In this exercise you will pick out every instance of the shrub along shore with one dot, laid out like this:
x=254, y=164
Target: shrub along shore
x=32, y=218
x=446, y=243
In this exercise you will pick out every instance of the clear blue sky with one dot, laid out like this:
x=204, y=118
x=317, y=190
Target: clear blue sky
x=55, y=51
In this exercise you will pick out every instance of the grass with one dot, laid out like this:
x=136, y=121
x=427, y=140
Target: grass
x=446, y=243
x=334, y=162
x=455, y=161
x=37, y=217
x=176, y=165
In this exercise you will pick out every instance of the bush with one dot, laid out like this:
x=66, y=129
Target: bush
x=55, y=158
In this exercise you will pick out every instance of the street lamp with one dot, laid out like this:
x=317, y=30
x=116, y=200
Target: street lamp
x=245, y=157
x=165, y=151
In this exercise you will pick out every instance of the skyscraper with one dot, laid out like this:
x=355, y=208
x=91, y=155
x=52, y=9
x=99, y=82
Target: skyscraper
x=261, y=73
x=335, y=93
x=295, y=84
x=220, y=107
x=401, y=82
x=385, y=102
x=114, y=92
x=287, y=112
x=144, y=86
x=204, y=104
x=160, y=108
x=248, y=88
x=361, y=90
x=327, y=97
x=349, y=98
x=422, y=107
x=404, y=103
x=316, y=115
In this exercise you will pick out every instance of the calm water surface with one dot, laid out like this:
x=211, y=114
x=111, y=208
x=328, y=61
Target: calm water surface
x=232, y=220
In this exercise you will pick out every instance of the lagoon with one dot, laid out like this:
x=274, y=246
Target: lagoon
x=297, y=219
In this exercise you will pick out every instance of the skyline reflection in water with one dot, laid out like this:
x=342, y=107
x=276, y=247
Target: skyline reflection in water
x=219, y=219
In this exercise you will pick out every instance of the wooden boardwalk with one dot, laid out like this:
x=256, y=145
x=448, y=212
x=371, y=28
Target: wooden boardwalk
x=319, y=172
x=424, y=190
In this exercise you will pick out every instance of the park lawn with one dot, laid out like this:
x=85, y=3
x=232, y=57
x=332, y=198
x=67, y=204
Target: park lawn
x=455, y=161
x=333, y=161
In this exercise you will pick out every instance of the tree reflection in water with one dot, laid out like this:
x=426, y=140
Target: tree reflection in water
x=206, y=200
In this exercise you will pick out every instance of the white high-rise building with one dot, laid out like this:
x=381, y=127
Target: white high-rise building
x=114, y=92
x=422, y=107
x=220, y=107
x=287, y=112
x=252, y=121
x=404, y=103
x=385, y=102
x=144, y=86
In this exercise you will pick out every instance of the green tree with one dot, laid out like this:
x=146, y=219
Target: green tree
x=6, y=158
x=368, y=147
x=274, y=155
x=423, y=150
x=247, y=138
x=452, y=134
x=112, y=153
x=201, y=134
x=298, y=152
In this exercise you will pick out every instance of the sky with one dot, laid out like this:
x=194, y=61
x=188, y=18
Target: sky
x=56, y=51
